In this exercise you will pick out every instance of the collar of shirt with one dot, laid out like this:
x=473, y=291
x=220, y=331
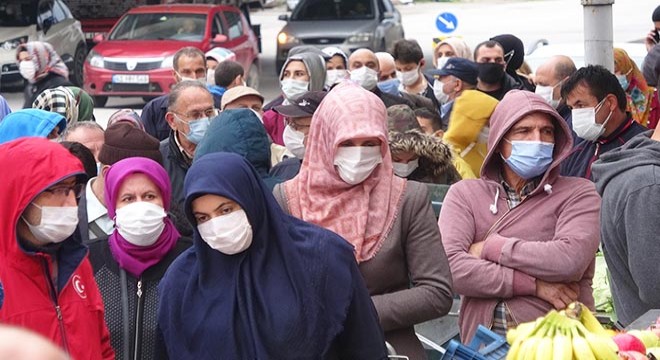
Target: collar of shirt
x=186, y=156
x=96, y=212
x=513, y=198
x=445, y=107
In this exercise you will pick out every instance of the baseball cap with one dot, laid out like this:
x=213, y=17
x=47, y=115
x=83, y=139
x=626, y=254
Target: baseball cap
x=461, y=68
x=304, y=106
x=238, y=92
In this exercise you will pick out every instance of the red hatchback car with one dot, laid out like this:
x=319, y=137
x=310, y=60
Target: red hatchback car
x=136, y=57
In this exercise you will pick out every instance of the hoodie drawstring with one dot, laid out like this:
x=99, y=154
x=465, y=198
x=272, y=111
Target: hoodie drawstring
x=547, y=188
x=493, y=206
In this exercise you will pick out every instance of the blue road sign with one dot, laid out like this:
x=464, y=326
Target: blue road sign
x=446, y=22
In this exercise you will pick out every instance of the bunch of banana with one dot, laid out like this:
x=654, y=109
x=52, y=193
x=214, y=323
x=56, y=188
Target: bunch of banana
x=574, y=333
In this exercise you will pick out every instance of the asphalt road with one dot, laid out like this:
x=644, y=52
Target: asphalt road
x=558, y=21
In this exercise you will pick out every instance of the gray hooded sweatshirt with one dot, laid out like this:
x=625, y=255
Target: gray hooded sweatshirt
x=628, y=179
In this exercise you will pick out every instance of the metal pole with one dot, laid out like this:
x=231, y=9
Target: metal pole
x=598, y=33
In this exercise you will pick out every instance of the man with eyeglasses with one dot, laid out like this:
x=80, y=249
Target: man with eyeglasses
x=493, y=79
x=189, y=63
x=46, y=281
x=189, y=113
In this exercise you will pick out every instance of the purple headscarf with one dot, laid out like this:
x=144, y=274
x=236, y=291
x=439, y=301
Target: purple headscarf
x=132, y=258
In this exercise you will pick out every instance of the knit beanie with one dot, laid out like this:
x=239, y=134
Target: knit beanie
x=123, y=140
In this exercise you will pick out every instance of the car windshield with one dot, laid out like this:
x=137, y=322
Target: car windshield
x=18, y=13
x=313, y=10
x=160, y=26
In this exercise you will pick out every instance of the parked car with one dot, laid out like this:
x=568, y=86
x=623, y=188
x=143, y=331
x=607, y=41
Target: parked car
x=46, y=20
x=136, y=58
x=541, y=51
x=347, y=24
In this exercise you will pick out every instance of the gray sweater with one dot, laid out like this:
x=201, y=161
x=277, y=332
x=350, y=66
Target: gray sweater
x=628, y=180
x=409, y=278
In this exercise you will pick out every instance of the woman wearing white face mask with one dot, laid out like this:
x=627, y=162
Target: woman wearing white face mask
x=129, y=264
x=42, y=67
x=450, y=47
x=47, y=279
x=301, y=73
x=346, y=184
x=260, y=284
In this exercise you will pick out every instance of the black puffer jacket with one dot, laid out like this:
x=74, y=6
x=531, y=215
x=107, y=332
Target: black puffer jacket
x=131, y=304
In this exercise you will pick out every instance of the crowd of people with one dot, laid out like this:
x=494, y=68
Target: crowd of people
x=213, y=225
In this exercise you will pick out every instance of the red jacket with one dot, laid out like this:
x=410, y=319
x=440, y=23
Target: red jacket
x=70, y=312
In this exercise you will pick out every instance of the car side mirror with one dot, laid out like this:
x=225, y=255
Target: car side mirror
x=98, y=38
x=46, y=25
x=388, y=15
x=284, y=17
x=220, y=38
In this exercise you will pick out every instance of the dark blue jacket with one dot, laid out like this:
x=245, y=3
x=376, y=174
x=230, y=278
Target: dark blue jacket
x=585, y=152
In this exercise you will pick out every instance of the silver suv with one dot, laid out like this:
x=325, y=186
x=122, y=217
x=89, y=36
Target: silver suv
x=45, y=20
x=347, y=24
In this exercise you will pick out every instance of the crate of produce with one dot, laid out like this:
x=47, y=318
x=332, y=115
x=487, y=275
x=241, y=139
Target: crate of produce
x=486, y=345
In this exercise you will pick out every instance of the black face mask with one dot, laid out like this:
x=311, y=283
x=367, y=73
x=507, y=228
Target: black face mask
x=491, y=73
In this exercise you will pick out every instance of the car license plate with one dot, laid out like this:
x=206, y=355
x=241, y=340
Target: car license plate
x=130, y=79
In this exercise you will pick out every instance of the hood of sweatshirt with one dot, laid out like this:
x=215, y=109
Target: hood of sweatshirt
x=30, y=122
x=639, y=151
x=515, y=105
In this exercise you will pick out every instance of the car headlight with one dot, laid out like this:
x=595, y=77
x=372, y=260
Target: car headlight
x=360, y=38
x=168, y=63
x=284, y=38
x=94, y=59
x=13, y=43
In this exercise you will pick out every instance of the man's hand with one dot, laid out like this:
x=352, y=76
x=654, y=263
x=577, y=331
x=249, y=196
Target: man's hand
x=650, y=39
x=476, y=248
x=557, y=294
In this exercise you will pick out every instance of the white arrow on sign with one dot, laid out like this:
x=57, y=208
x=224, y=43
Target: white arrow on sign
x=449, y=24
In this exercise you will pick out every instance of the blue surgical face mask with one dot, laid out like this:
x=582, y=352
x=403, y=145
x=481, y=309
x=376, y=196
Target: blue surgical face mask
x=623, y=81
x=197, y=129
x=390, y=86
x=529, y=159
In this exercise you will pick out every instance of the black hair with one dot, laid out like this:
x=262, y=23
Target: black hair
x=425, y=113
x=84, y=155
x=227, y=71
x=489, y=44
x=656, y=14
x=188, y=51
x=407, y=51
x=600, y=83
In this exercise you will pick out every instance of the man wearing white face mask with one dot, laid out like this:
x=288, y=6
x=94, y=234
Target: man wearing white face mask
x=189, y=63
x=298, y=120
x=301, y=73
x=336, y=66
x=47, y=279
x=364, y=70
x=409, y=62
x=599, y=117
x=549, y=77
x=450, y=81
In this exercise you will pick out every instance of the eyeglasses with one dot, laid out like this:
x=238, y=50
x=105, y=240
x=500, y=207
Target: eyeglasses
x=63, y=191
x=195, y=115
x=296, y=126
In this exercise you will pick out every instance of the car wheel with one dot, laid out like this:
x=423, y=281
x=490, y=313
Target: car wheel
x=100, y=101
x=78, y=63
x=253, y=76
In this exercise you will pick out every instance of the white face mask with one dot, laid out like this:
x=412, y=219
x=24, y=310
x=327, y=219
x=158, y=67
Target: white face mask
x=439, y=92
x=57, y=223
x=140, y=223
x=408, y=77
x=366, y=77
x=584, y=122
x=230, y=234
x=356, y=163
x=546, y=92
x=27, y=70
x=294, y=141
x=404, y=170
x=184, y=78
x=483, y=135
x=334, y=76
x=441, y=61
x=293, y=89
x=210, y=76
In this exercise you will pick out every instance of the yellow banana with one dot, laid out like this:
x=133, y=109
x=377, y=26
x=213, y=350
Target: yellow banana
x=544, y=349
x=528, y=350
x=581, y=349
x=522, y=330
x=600, y=348
x=590, y=322
x=562, y=347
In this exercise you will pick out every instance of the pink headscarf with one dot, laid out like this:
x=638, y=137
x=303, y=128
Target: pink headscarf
x=363, y=214
x=45, y=59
